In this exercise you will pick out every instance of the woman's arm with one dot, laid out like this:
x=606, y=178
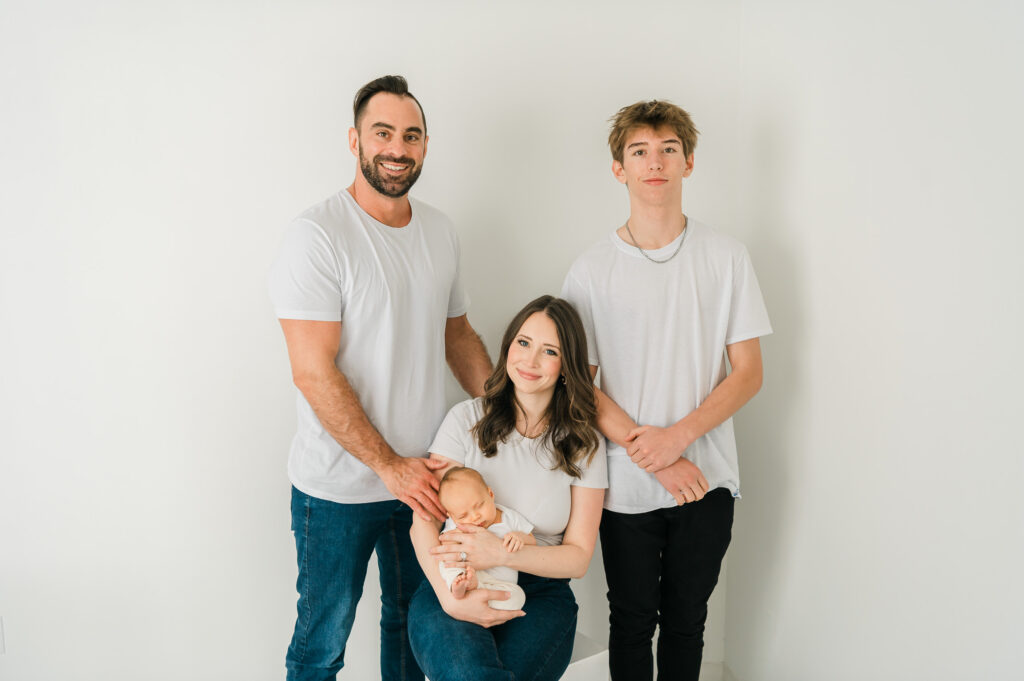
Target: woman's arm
x=471, y=608
x=570, y=559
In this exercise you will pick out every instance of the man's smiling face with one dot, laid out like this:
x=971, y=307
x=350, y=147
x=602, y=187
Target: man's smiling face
x=392, y=143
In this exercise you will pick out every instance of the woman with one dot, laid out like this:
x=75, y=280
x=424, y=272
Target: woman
x=532, y=436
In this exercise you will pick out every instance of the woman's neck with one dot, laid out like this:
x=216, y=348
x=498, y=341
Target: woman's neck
x=531, y=413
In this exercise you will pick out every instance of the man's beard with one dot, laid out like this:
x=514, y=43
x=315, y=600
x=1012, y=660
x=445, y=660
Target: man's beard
x=386, y=185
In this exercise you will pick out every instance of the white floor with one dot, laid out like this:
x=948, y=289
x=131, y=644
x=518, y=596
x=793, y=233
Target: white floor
x=590, y=663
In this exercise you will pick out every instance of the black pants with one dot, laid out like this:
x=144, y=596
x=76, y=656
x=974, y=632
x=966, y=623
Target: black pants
x=662, y=567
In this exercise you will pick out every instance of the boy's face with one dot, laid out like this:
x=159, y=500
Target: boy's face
x=653, y=165
x=469, y=502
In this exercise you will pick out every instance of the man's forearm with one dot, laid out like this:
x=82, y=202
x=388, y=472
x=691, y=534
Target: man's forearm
x=342, y=416
x=467, y=357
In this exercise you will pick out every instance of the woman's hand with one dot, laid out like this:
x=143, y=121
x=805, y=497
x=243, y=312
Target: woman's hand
x=483, y=550
x=473, y=608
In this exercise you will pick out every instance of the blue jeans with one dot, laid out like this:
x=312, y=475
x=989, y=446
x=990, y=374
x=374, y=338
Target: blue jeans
x=333, y=543
x=536, y=647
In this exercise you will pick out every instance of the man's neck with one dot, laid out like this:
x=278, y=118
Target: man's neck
x=654, y=227
x=391, y=212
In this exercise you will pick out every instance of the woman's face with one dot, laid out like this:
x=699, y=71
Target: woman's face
x=534, y=361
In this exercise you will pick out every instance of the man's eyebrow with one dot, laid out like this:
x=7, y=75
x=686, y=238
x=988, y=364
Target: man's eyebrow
x=388, y=126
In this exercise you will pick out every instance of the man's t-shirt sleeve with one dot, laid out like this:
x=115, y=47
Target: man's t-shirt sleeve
x=458, y=299
x=304, y=279
x=748, y=317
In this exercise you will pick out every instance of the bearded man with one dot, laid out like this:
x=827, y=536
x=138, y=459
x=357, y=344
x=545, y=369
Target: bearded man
x=367, y=290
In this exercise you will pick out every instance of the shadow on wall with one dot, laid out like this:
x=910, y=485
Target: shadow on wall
x=770, y=469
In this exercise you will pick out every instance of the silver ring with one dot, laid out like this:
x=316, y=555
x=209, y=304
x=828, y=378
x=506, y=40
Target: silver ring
x=462, y=556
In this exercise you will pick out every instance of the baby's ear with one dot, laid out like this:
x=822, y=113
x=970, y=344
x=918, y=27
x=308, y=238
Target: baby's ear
x=491, y=492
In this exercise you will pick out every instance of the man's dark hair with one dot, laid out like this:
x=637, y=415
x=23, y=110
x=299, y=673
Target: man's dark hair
x=395, y=85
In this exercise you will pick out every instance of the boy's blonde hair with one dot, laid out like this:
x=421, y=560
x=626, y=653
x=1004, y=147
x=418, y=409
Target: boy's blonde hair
x=653, y=114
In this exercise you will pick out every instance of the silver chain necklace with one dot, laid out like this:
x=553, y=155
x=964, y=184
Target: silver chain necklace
x=674, y=253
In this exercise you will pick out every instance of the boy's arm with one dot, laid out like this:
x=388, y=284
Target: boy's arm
x=654, y=449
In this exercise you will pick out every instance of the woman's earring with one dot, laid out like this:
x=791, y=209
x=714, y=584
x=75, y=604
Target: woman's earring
x=563, y=379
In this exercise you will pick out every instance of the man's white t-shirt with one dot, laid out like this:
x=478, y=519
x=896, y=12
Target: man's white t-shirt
x=393, y=290
x=658, y=332
x=522, y=473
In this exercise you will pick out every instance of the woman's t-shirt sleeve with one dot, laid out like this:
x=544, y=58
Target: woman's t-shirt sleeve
x=454, y=439
x=596, y=474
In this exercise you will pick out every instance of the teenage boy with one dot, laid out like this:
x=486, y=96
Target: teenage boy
x=664, y=300
x=367, y=291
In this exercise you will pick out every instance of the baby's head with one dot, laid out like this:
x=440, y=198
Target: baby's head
x=467, y=498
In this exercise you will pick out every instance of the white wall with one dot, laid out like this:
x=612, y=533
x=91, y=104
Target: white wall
x=151, y=155
x=867, y=153
x=881, y=535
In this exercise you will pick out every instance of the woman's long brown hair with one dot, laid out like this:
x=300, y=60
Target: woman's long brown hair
x=572, y=413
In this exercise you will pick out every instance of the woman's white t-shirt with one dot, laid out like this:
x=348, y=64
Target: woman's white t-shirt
x=522, y=473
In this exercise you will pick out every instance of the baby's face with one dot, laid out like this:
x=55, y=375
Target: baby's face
x=468, y=502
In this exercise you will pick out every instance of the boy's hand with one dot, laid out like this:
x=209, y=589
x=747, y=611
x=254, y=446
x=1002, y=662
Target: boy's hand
x=684, y=481
x=652, y=448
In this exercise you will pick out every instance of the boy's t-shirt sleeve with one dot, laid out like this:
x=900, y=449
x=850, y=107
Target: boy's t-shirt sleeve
x=304, y=280
x=748, y=316
x=578, y=295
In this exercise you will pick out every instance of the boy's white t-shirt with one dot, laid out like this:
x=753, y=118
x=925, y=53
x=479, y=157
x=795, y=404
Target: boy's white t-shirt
x=393, y=290
x=521, y=473
x=658, y=332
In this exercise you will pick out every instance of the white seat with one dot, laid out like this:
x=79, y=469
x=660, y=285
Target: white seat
x=589, y=660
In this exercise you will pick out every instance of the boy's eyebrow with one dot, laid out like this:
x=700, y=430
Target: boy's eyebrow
x=670, y=140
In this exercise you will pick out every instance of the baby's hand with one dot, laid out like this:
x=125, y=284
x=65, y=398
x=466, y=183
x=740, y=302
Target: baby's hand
x=513, y=542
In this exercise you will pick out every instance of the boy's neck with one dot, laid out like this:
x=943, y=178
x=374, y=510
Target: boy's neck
x=653, y=227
